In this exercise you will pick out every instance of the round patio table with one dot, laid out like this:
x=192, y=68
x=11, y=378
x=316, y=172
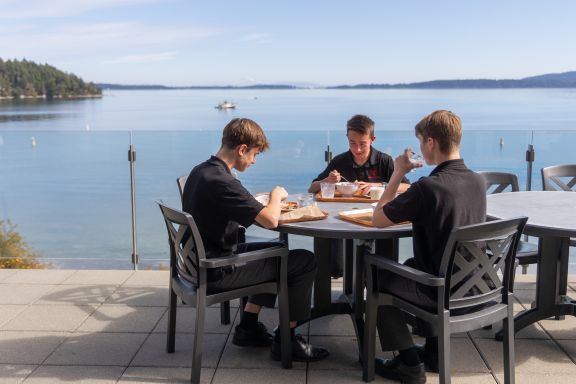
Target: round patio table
x=552, y=218
x=356, y=235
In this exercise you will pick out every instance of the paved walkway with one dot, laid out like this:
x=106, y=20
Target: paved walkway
x=68, y=326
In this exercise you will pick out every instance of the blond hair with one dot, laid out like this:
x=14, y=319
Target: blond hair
x=444, y=127
x=244, y=131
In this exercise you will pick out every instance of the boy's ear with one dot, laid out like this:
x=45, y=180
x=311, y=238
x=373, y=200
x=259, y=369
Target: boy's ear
x=241, y=149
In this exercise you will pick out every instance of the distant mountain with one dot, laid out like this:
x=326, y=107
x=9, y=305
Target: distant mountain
x=553, y=80
x=23, y=79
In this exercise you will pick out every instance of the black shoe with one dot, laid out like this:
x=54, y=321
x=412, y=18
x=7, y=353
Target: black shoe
x=430, y=360
x=257, y=337
x=395, y=369
x=301, y=351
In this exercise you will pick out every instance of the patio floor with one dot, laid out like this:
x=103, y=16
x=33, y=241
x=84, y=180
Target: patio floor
x=85, y=326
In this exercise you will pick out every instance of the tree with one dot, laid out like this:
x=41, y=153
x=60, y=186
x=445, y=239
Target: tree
x=14, y=252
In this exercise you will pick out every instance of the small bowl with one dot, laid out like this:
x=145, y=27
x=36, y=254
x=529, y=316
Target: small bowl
x=346, y=188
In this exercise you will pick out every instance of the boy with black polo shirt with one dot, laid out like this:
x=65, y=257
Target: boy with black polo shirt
x=451, y=196
x=219, y=204
x=363, y=164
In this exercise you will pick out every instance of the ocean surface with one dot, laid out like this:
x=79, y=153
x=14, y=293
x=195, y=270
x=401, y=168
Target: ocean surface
x=69, y=194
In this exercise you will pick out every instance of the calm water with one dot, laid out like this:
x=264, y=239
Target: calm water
x=70, y=194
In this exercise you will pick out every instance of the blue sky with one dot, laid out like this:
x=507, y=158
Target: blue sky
x=188, y=42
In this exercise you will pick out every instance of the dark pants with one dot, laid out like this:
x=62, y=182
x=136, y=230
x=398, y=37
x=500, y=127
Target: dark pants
x=392, y=325
x=301, y=273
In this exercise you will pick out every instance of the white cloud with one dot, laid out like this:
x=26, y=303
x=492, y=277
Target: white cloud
x=144, y=58
x=32, y=9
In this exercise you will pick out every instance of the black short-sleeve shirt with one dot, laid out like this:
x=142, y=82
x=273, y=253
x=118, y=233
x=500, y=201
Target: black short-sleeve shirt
x=451, y=196
x=377, y=169
x=218, y=202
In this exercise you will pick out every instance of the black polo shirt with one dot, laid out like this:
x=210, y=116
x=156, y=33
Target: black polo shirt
x=218, y=202
x=377, y=169
x=451, y=196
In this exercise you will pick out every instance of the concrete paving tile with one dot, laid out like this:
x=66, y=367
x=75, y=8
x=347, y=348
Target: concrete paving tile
x=535, y=378
x=122, y=318
x=259, y=376
x=560, y=329
x=569, y=347
x=8, y=312
x=524, y=279
x=532, y=356
x=49, y=318
x=23, y=293
x=28, y=347
x=156, y=375
x=140, y=296
x=75, y=374
x=322, y=376
x=77, y=294
x=91, y=277
x=335, y=325
x=465, y=378
x=148, y=278
x=269, y=317
x=250, y=357
x=153, y=352
x=343, y=352
x=39, y=276
x=186, y=321
x=525, y=297
x=97, y=349
x=5, y=273
x=14, y=374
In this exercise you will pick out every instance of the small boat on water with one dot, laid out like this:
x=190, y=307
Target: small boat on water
x=226, y=105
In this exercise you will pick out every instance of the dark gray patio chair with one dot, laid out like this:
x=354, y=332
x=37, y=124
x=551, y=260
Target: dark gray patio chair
x=562, y=178
x=474, y=290
x=497, y=182
x=224, y=306
x=188, y=267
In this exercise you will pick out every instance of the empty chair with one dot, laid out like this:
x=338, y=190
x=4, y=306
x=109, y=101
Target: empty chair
x=473, y=290
x=560, y=178
x=497, y=182
x=188, y=281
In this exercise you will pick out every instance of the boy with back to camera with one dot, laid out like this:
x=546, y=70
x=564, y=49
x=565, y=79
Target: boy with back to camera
x=451, y=196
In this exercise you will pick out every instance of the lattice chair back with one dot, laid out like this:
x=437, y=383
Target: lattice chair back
x=478, y=263
x=559, y=178
x=181, y=181
x=186, y=247
x=497, y=182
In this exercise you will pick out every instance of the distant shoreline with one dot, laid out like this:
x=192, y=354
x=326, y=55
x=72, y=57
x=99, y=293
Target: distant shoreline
x=44, y=97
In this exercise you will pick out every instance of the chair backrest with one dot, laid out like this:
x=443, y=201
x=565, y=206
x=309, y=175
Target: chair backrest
x=478, y=262
x=186, y=247
x=497, y=182
x=181, y=181
x=559, y=177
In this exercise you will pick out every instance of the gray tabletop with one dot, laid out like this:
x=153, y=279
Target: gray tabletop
x=335, y=228
x=549, y=213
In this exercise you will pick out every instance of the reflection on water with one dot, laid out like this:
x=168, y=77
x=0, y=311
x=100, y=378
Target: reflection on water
x=31, y=117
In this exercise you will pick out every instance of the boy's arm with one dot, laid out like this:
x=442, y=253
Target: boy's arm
x=269, y=215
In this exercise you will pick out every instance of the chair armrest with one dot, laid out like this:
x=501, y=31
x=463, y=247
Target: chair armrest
x=241, y=258
x=405, y=271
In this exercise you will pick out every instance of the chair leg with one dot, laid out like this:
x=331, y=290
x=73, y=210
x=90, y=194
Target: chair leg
x=171, y=335
x=225, y=313
x=444, y=349
x=524, y=269
x=369, y=337
x=508, y=346
x=284, y=314
x=198, y=338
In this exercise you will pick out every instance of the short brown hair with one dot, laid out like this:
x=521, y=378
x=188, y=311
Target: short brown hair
x=361, y=124
x=444, y=127
x=244, y=131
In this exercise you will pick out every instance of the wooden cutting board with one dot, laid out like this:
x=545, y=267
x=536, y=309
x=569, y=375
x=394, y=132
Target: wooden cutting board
x=338, y=198
x=358, y=216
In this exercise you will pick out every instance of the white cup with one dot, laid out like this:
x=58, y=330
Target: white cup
x=376, y=192
x=327, y=190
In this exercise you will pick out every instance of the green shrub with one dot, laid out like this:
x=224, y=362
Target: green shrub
x=14, y=252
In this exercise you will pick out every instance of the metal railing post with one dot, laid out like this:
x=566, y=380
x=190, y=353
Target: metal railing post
x=530, y=155
x=132, y=159
x=327, y=152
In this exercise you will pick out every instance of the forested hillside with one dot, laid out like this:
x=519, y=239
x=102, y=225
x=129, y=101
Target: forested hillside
x=26, y=79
